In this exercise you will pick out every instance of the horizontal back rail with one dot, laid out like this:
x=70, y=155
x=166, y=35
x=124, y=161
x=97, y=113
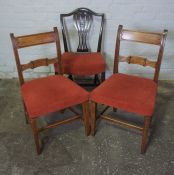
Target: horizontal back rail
x=143, y=37
x=138, y=60
x=38, y=63
x=36, y=39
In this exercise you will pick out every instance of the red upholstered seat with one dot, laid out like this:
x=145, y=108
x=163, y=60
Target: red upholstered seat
x=51, y=94
x=82, y=63
x=127, y=92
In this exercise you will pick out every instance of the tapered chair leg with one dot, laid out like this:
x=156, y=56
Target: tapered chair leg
x=147, y=121
x=96, y=79
x=70, y=77
x=36, y=135
x=114, y=109
x=85, y=107
x=93, y=117
x=26, y=114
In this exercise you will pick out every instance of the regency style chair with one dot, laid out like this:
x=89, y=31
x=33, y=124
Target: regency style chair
x=82, y=61
x=49, y=94
x=127, y=92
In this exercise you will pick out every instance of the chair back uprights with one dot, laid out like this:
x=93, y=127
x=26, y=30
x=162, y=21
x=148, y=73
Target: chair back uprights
x=33, y=40
x=141, y=37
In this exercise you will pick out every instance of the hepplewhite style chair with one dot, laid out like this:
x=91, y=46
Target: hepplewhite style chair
x=49, y=94
x=82, y=62
x=127, y=92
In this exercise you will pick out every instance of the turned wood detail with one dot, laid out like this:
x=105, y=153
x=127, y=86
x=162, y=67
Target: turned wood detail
x=38, y=63
x=137, y=60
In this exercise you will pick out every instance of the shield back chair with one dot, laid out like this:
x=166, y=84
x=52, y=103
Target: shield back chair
x=83, y=61
x=128, y=92
x=48, y=94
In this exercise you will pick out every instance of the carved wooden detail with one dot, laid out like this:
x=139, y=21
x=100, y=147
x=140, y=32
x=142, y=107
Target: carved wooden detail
x=82, y=22
x=137, y=60
x=83, y=19
x=38, y=63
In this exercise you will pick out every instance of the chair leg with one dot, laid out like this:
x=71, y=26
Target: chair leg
x=96, y=79
x=145, y=134
x=102, y=76
x=36, y=135
x=85, y=107
x=26, y=114
x=114, y=109
x=93, y=117
x=70, y=77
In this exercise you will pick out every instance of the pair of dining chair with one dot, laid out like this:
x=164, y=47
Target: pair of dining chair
x=57, y=92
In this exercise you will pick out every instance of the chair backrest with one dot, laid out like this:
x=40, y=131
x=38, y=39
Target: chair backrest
x=33, y=40
x=83, y=19
x=141, y=37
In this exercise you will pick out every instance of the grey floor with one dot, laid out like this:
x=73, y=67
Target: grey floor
x=114, y=150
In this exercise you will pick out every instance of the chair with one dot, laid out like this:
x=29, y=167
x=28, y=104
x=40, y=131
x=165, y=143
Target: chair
x=82, y=62
x=127, y=92
x=49, y=94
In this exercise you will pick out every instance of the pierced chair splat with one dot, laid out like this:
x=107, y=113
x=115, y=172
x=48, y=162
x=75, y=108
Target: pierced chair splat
x=83, y=61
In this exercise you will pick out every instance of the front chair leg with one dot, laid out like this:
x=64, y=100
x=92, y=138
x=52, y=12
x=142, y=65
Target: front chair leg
x=147, y=121
x=93, y=117
x=85, y=107
x=36, y=135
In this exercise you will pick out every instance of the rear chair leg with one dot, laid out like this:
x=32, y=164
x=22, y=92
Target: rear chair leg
x=93, y=117
x=26, y=114
x=36, y=135
x=147, y=121
x=96, y=79
x=85, y=107
x=70, y=77
x=114, y=109
x=102, y=77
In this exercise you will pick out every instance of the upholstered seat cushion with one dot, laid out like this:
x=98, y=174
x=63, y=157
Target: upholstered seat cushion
x=82, y=63
x=50, y=94
x=127, y=92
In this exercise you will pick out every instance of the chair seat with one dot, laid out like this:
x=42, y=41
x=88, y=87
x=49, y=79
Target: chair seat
x=82, y=63
x=50, y=94
x=127, y=92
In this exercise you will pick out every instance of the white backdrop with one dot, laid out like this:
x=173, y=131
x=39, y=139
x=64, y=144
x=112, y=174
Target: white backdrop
x=27, y=17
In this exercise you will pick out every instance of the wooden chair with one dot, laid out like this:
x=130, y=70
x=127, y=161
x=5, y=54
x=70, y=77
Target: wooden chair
x=127, y=92
x=82, y=62
x=49, y=94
